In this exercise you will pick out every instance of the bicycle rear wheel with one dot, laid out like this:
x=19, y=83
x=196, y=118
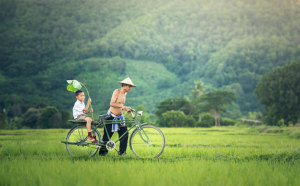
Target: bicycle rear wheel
x=78, y=144
x=148, y=142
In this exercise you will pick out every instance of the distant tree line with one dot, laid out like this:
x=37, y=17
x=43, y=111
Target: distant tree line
x=225, y=43
x=41, y=116
x=204, y=109
x=278, y=91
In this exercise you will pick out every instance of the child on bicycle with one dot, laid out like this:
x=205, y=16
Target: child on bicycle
x=80, y=111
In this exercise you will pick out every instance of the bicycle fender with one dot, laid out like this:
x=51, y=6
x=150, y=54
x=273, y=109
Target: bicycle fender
x=93, y=127
x=137, y=129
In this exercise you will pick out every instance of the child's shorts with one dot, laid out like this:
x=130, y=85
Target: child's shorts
x=81, y=117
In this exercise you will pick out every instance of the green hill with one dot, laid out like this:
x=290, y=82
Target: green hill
x=163, y=45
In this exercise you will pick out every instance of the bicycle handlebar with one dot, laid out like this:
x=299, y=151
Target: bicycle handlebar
x=131, y=112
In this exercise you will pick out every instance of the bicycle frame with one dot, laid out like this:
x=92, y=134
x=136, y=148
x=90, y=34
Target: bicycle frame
x=137, y=125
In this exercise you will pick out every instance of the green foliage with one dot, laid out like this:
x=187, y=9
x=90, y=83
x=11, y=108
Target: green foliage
x=16, y=123
x=31, y=118
x=190, y=121
x=44, y=117
x=227, y=121
x=65, y=116
x=118, y=65
x=180, y=104
x=206, y=120
x=215, y=102
x=280, y=123
x=163, y=45
x=73, y=85
x=197, y=90
x=279, y=92
x=49, y=118
x=3, y=121
x=254, y=115
x=175, y=118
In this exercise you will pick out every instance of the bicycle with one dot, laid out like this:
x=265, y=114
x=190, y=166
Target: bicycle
x=146, y=141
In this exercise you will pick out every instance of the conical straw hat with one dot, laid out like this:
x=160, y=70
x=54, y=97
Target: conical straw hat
x=127, y=81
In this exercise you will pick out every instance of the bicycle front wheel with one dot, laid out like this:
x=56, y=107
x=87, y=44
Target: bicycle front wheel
x=78, y=144
x=147, y=142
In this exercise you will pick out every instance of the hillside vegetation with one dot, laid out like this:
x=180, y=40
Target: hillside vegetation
x=162, y=45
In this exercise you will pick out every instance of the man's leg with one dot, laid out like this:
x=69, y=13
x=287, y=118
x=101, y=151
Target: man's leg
x=103, y=151
x=123, y=140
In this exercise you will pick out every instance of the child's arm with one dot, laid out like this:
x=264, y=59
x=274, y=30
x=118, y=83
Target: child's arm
x=87, y=106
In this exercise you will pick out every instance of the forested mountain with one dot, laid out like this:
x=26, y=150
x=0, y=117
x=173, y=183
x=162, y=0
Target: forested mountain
x=163, y=45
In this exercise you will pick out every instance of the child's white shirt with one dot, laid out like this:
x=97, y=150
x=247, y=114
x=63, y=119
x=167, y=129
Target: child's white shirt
x=78, y=109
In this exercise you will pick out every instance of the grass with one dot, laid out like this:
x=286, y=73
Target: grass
x=193, y=156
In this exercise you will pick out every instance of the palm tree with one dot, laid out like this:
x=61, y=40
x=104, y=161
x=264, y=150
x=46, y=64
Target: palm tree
x=196, y=93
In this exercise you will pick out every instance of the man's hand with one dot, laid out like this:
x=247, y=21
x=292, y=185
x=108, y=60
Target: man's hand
x=91, y=110
x=126, y=108
x=129, y=109
x=89, y=101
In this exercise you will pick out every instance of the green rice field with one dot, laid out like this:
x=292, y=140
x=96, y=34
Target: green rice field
x=193, y=156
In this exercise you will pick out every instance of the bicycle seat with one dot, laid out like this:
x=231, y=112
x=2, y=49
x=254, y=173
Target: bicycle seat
x=104, y=116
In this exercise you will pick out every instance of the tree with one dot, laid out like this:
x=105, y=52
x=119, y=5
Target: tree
x=197, y=90
x=180, y=104
x=206, y=121
x=196, y=93
x=50, y=118
x=174, y=104
x=214, y=102
x=175, y=118
x=3, y=121
x=31, y=117
x=279, y=92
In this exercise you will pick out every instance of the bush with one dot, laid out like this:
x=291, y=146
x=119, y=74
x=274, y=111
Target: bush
x=206, y=121
x=65, y=116
x=227, y=121
x=239, y=123
x=50, y=118
x=15, y=123
x=31, y=117
x=175, y=118
x=190, y=121
x=3, y=121
x=280, y=122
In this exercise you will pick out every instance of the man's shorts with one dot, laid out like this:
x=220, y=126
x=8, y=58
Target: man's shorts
x=81, y=117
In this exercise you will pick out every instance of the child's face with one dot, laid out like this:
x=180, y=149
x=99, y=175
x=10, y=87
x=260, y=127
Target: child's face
x=80, y=96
